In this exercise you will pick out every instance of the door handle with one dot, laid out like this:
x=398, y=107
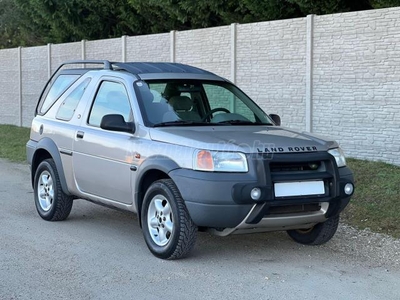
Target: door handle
x=80, y=134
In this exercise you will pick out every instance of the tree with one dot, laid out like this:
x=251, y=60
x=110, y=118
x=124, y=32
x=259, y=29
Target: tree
x=330, y=6
x=257, y=11
x=74, y=20
x=32, y=22
x=385, y=3
x=13, y=25
x=8, y=26
x=187, y=14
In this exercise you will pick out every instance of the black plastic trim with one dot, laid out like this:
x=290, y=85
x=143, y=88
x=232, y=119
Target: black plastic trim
x=208, y=199
x=335, y=179
x=49, y=145
x=158, y=163
x=66, y=152
x=223, y=200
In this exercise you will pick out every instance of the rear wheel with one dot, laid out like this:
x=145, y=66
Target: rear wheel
x=316, y=235
x=51, y=202
x=168, y=230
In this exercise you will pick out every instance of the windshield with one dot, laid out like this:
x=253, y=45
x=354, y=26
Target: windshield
x=196, y=102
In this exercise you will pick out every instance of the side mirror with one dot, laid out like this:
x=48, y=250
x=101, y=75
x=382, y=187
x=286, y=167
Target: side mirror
x=116, y=123
x=276, y=119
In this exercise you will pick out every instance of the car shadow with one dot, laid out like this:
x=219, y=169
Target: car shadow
x=124, y=227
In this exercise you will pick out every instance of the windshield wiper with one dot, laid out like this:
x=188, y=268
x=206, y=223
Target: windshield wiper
x=181, y=123
x=242, y=122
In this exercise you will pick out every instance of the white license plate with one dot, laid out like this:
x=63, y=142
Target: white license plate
x=299, y=188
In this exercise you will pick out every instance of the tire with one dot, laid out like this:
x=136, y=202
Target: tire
x=167, y=227
x=52, y=204
x=317, y=235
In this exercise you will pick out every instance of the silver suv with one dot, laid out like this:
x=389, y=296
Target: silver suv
x=184, y=149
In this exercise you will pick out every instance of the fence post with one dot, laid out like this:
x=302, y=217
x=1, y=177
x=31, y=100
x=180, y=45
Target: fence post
x=83, y=49
x=309, y=73
x=233, y=51
x=49, y=60
x=233, y=64
x=172, y=43
x=123, y=41
x=20, y=86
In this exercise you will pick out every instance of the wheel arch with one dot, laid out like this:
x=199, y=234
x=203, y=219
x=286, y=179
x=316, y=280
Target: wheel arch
x=151, y=170
x=46, y=148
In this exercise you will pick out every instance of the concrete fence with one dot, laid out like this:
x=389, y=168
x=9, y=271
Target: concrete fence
x=335, y=75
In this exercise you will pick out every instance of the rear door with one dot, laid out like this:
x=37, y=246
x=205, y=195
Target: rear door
x=102, y=159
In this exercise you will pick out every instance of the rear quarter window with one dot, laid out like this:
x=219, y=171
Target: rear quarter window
x=55, y=90
x=68, y=106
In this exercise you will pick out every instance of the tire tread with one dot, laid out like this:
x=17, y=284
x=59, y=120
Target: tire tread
x=320, y=234
x=63, y=201
x=188, y=230
x=185, y=238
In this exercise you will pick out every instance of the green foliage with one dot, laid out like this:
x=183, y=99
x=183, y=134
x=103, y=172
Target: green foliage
x=385, y=3
x=33, y=22
x=8, y=26
x=330, y=6
x=73, y=20
x=14, y=26
x=186, y=14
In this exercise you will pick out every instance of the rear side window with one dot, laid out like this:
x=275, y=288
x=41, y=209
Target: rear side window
x=59, y=86
x=67, y=108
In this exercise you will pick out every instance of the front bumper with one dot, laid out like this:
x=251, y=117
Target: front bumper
x=222, y=200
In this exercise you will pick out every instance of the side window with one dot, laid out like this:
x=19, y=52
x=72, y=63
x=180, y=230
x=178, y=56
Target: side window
x=219, y=96
x=111, y=98
x=58, y=87
x=67, y=108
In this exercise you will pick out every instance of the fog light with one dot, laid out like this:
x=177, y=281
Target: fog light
x=255, y=194
x=348, y=189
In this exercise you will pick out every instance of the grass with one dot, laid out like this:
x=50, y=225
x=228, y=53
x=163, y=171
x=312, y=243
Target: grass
x=375, y=204
x=12, y=142
x=376, y=200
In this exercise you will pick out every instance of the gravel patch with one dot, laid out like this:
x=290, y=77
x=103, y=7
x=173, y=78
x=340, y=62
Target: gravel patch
x=376, y=249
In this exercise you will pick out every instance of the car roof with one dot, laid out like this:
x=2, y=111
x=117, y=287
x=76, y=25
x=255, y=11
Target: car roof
x=147, y=70
x=159, y=67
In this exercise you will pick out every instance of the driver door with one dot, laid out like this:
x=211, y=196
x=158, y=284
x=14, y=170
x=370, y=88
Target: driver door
x=102, y=158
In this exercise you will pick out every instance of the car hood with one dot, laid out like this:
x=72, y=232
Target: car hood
x=247, y=139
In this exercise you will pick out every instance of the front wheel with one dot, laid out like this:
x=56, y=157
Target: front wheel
x=316, y=235
x=168, y=230
x=51, y=202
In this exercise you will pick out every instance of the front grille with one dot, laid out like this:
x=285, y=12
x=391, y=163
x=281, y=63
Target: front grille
x=295, y=167
x=291, y=209
x=301, y=167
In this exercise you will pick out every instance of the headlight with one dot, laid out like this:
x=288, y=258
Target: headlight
x=337, y=153
x=215, y=161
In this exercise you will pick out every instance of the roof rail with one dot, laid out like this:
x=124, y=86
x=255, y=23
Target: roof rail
x=105, y=63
